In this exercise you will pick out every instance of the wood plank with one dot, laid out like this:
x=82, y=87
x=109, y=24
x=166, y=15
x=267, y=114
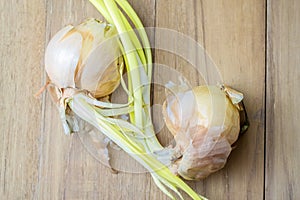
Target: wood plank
x=233, y=34
x=283, y=80
x=22, y=33
x=67, y=170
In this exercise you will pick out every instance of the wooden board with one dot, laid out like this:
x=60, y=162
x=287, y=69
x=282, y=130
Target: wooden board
x=283, y=80
x=37, y=161
x=22, y=41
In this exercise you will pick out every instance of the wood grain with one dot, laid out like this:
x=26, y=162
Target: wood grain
x=37, y=161
x=283, y=80
x=22, y=33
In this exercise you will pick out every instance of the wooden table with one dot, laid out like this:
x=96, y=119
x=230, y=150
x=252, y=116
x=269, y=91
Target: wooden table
x=256, y=46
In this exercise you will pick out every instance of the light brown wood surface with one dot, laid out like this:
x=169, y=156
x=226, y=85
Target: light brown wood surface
x=283, y=81
x=37, y=161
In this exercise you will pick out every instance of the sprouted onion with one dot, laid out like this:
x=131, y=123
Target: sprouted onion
x=205, y=122
x=74, y=54
x=85, y=63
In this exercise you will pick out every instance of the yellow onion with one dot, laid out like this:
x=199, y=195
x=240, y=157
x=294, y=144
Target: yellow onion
x=205, y=123
x=85, y=57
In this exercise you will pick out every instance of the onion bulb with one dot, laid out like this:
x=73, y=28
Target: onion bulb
x=205, y=122
x=85, y=57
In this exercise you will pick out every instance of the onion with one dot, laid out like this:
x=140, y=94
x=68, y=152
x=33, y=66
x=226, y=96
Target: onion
x=85, y=57
x=205, y=122
x=82, y=59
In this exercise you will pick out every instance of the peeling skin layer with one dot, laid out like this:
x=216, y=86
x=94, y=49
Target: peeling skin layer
x=86, y=56
x=204, y=123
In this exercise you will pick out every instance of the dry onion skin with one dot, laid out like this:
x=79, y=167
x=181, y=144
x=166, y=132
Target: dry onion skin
x=85, y=57
x=205, y=122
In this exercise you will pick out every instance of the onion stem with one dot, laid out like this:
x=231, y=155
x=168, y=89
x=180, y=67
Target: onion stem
x=140, y=28
x=133, y=64
x=142, y=145
x=152, y=142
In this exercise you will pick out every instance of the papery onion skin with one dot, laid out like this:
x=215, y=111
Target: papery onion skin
x=85, y=57
x=205, y=123
x=62, y=56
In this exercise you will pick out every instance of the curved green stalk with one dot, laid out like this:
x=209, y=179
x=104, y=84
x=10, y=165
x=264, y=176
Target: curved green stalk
x=134, y=72
x=134, y=39
x=133, y=64
x=152, y=142
x=99, y=4
x=147, y=48
x=140, y=28
x=138, y=47
x=130, y=98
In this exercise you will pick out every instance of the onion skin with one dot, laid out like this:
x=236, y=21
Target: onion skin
x=62, y=56
x=205, y=123
x=85, y=57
